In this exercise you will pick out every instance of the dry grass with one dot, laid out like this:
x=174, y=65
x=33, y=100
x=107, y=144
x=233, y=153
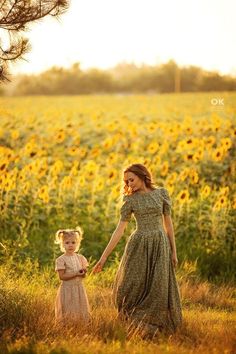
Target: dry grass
x=27, y=321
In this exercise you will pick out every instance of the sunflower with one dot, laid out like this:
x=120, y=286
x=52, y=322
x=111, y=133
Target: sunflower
x=112, y=174
x=183, y=196
x=170, y=187
x=151, y=127
x=42, y=171
x=153, y=147
x=74, y=171
x=220, y=203
x=217, y=154
x=226, y=144
x=164, y=168
x=9, y=183
x=3, y=165
x=198, y=155
x=95, y=151
x=73, y=151
x=115, y=192
x=91, y=166
x=66, y=183
x=112, y=157
x=189, y=156
x=82, y=152
x=25, y=187
x=60, y=136
x=189, y=143
x=188, y=130
x=156, y=160
x=224, y=191
x=22, y=174
x=30, y=148
x=194, y=177
x=234, y=202
x=56, y=168
x=107, y=144
x=53, y=183
x=99, y=184
x=184, y=174
x=81, y=181
x=181, y=146
x=43, y=194
x=205, y=191
x=209, y=141
x=15, y=134
x=172, y=178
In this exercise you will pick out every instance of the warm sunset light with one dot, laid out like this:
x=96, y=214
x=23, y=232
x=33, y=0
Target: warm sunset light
x=106, y=32
x=117, y=176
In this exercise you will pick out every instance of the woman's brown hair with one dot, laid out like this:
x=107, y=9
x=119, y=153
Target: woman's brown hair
x=142, y=172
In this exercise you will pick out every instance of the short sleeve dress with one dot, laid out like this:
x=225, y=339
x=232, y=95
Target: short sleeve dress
x=145, y=287
x=71, y=300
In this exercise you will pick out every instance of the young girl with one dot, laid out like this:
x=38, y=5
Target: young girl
x=71, y=300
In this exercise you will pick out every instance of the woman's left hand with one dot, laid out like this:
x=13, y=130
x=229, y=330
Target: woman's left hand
x=174, y=260
x=98, y=266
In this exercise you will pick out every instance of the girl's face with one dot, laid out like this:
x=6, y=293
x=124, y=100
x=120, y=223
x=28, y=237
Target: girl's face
x=70, y=244
x=133, y=181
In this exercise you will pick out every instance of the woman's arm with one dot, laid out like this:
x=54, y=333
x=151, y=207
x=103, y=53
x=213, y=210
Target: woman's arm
x=170, y=233
x=115, y=238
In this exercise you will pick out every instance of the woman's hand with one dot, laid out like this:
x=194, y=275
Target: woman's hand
x=99, y=265
x=174, y=259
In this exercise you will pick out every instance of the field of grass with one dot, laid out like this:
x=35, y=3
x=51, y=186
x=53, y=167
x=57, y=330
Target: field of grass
x=27, y=317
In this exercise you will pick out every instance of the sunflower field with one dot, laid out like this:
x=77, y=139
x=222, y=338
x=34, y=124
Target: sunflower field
x=61, y=163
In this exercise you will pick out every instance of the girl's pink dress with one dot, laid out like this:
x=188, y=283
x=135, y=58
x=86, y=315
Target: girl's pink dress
x=71, y=300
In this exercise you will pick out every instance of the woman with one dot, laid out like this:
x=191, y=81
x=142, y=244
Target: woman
x=145, y=288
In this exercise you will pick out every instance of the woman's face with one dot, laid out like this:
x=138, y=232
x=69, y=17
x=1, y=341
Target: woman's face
x=133, y=181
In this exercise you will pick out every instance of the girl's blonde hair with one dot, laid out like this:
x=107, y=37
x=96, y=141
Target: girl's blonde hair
x=61, y=235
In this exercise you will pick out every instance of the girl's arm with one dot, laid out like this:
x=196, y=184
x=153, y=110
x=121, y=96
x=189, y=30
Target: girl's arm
x=63, y=276
x=115, y=238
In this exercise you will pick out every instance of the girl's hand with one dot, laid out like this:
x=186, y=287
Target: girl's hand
x=82, y=272
x=98, y=266
x=174, y=260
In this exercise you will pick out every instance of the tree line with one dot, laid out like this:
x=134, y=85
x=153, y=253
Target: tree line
x=124, y=78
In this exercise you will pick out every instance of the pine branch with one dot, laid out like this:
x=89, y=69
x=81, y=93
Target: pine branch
x=14, y=17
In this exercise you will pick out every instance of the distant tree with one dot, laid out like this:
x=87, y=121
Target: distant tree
x=191, y=77
x=15, y=15
x=167, y=76
x=122, y=79
x=212, y=80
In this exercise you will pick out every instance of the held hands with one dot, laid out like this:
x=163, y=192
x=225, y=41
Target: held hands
x=82, y=273
x=99, y=265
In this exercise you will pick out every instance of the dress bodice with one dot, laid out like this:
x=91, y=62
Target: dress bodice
x=147, y=208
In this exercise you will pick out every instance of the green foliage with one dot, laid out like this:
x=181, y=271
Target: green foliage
x=122, y=78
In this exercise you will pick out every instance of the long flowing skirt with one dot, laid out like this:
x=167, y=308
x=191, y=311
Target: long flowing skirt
x=72, y=303
x=145, y=288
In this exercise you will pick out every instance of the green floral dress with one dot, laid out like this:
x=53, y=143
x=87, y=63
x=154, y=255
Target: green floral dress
x=145, y=287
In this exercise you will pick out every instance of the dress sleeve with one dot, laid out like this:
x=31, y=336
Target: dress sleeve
x=167, y=203
x=60, y=264
x=84, y=261
x=126, y=209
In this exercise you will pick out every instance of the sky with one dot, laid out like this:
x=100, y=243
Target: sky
x=103, y=33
